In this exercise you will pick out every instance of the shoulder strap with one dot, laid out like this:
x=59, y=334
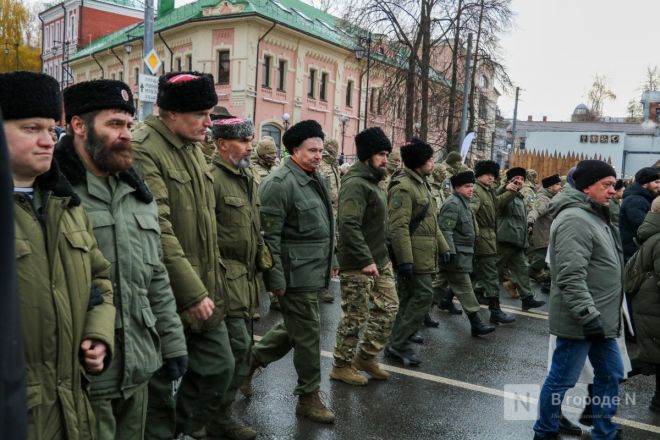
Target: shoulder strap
x=419, y=218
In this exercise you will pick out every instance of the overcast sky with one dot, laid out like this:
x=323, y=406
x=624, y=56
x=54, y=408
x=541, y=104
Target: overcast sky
x=556, y=47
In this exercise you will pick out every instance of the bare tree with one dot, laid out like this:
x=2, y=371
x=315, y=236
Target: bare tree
x=652, y=79
x=634, y=110
x=599, y=93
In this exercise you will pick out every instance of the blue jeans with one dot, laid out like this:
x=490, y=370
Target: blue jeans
x=567, y=362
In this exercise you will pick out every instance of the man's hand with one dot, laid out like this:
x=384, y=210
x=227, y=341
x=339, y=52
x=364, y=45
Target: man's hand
x=405, y=270
x=446, y=258
x=93, y=354
x=176, y=367
x=515, y=184
x=593, y=330
x=371, y=270
x=202, y=310
x=279, y=292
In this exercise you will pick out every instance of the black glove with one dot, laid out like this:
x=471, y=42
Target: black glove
x=405, y=270
x=446, y=258
x=95, y=298
x=593, y=330
x=176, y=367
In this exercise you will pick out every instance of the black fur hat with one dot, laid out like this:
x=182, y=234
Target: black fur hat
x=619, y=184
x=547, y=182
x=591, y=171
x=297, y=134
x=486, y=167
x=101, y=94
x=646, y=175
x=29, y=95
x=186, y=92
x=415, y=153
x=462, y=178
x=371, y=141
x=515, y=172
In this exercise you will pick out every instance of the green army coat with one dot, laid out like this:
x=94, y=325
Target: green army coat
x=56, y=272
x=260, y=169
x=239, y=228
x=330, y=171
x=362, y=219
x=125, y=221
x=182, y=184
x=540, y=219
x=512, y=223
x=298, y=225
x=486, y=204
x=458, y=226
x=409, y=192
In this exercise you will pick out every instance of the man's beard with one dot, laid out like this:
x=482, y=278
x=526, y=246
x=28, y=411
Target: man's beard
x=242, y=162
x=381, y=172
x=112, y=158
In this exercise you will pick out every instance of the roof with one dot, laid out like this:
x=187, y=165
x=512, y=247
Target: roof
x=291, y=13
x=522, y=127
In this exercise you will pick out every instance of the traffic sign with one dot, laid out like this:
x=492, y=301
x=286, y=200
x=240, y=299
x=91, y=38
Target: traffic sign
x=148, y=88
x=152, y=61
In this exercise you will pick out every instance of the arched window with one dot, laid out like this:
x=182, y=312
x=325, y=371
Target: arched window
x=273, y=131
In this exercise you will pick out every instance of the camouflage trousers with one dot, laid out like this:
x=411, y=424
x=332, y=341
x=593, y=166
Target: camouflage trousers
x=357, y=292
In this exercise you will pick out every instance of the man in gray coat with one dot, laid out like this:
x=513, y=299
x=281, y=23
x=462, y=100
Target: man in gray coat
x=586, y=265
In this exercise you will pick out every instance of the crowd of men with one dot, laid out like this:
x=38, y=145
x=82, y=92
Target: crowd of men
x=141, y=253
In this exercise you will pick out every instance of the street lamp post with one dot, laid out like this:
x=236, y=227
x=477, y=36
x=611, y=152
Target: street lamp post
x=16, y=45
x=359, y=54
x=418, y=125
x=343, y=120
x=285, y=119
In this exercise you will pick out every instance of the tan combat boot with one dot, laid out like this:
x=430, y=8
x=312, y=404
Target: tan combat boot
x=348, y=375
x=511, y=289
x=310, y=406
x=371, y=367
x=225, y=426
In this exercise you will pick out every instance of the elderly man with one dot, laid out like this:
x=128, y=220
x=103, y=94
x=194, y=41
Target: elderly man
x=68, y=319
x=169, y=153
x=96, y=156
x=585, y=300
x=298, y=225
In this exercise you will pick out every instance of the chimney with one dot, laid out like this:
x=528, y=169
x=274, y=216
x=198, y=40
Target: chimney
x=545, y=119
x=529, y=118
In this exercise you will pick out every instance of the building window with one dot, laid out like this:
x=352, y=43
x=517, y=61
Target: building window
x=372, y=99
x=113, y=76
x=266, y=75
x=189, y=61
x=324, y=87
x=281, y=72
x=483, y=81
x=223, y=67
x=177, y=63
x=121, y=76
x=136, y=75
x=312, y=83
x=380, y=102
x=273, y=131
x=399, y=107
x=349, y=93
x=483, y=107
x=72, y=27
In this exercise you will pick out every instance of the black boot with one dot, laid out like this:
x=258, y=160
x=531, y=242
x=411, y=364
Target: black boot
x=545, y=287
x=428, y=322
x=567, y=427
x=416, y=338
x=531, y=303
x=497, y=316
x=407, y=358
x=587, y=415
x=477, y=326
x=655, y=401
x=447, y=304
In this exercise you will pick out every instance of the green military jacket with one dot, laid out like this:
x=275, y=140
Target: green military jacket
x=56, y=272
x=540, y=219
x=529, y=194
x=298, y=225
x=362, y=219
x=409, y=192
x=260, y=169
x=458, y=226
x=486, y=204
x=182, y=184
x=330, y=171
x=125, y=221
x=615, y=209
x=512, y=223
x=239, y=229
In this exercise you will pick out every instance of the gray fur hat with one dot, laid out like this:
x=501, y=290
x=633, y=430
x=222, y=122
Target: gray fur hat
x=234, y=128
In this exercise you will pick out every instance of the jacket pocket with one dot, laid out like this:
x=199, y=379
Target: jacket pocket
x=148, y=223
x=80, y=243
x=34, y=397
x=236, y=210
x=237, y=289
x=180, y=190
x=103, y=223
x=308, y=266
x=22, y=248
x=308, y=214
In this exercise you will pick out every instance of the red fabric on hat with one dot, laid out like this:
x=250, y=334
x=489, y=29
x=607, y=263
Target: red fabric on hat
x=184, y=77
x=227, y=121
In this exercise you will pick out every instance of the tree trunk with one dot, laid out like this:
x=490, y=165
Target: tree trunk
x=471, y=119
x=425, y=30
x=454, y=79
x=411, y=76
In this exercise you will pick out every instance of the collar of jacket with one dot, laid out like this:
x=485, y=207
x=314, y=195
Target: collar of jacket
x=360, y=169
x=157, y=124
x=301, y=176
x=55, y=182
x=415, y=176
x=74, y=170
x=548, y=193
x=488, y=188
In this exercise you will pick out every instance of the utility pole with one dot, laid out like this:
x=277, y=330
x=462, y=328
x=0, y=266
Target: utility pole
x=515, y=117
x=466, y=90
x=148, y=44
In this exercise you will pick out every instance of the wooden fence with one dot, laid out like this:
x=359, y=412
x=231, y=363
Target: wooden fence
x=547, y=164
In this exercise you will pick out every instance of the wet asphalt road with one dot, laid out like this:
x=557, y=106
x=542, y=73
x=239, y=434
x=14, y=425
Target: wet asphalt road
x=456, y=393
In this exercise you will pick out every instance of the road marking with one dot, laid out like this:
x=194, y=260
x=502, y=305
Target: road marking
x=509, y=309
